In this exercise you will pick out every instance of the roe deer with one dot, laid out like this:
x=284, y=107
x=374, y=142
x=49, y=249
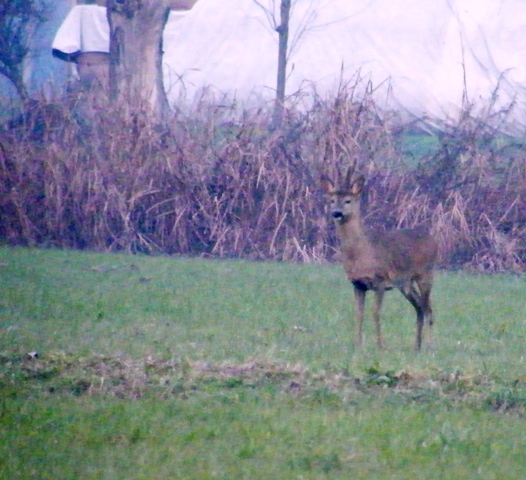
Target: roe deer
x=382, y=260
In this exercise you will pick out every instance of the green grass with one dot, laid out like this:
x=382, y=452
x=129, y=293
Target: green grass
x=159, y=367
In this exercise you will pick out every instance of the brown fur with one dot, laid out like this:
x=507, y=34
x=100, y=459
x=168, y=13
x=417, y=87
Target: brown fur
x=380, y=261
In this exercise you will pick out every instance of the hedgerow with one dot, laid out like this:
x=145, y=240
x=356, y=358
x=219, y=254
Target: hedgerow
x=217, y=181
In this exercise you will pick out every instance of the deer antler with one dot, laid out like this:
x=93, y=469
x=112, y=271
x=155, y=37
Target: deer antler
x=350, y=173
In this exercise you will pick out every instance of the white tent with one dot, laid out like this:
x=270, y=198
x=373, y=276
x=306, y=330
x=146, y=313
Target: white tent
x=427, y=51
x=421, y=56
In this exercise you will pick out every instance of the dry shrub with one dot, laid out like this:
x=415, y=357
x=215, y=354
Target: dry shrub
x=475, y=183
x=214, y=182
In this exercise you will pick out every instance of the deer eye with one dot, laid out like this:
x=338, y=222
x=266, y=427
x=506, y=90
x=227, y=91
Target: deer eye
x=347, y=201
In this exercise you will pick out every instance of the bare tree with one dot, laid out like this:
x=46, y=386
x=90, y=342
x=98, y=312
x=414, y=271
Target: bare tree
x=284, y=49
x=18, y=21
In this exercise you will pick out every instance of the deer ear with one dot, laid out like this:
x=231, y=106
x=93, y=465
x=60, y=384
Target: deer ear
x=327, y=186
x=357, y=185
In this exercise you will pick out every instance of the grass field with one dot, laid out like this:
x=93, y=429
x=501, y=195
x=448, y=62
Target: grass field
x=162, y=367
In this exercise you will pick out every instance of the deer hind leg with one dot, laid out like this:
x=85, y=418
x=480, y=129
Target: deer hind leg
x=359, y=296
x=378, y=299
x=424, y=286
x=415, y=298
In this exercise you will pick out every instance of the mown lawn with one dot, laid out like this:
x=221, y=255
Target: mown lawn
x=129, y=367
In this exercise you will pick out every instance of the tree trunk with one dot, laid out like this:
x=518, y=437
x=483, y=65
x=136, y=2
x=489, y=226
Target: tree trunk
x=283, y=32
x=136, y=34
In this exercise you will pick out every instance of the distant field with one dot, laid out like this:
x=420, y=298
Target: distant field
x=163, y=367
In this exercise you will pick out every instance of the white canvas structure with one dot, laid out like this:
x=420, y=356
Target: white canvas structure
x=85, y=29
x=420, y=55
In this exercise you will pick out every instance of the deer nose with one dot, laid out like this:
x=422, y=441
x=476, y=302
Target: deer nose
x=337, y=214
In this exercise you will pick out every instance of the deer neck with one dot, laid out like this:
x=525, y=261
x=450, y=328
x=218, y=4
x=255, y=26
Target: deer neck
x=351, y=232
x=356, y=246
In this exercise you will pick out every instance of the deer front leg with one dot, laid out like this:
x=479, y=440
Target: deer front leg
x=359, y=306
x=378, y=300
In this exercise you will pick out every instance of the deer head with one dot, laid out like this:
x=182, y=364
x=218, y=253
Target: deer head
x=345, y=198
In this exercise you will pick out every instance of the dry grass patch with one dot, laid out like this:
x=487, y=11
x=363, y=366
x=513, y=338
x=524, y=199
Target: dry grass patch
x=59, y=373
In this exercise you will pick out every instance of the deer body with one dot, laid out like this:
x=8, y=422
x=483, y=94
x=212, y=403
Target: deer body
x=378, y=261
